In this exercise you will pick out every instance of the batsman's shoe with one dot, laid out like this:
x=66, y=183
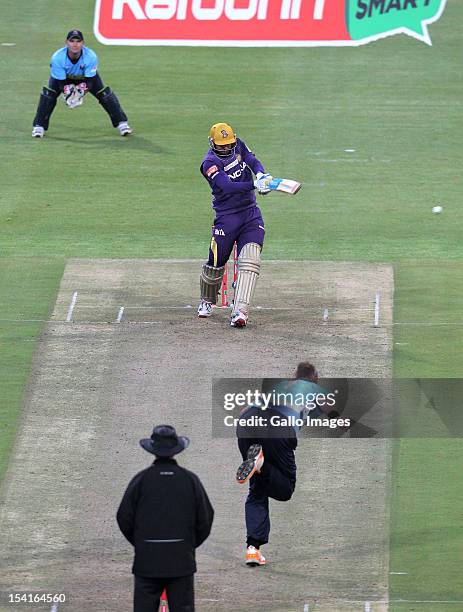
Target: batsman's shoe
x=239, y=319
x=124, y=128
x=252, y=464
x=38, y=131
x=204, y=309
x=254, y=557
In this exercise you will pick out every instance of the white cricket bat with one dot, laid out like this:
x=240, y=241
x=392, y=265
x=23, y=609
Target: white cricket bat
x=285, y=185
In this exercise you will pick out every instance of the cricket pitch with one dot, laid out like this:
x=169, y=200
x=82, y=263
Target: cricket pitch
x=103, y=379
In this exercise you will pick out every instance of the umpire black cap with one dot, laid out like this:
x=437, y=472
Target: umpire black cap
x=75, y=34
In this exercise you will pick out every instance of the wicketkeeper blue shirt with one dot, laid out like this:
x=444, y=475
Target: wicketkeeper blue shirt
x=62, y=67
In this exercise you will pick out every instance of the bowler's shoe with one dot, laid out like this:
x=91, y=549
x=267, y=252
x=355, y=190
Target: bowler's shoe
x=253, y=464
x=254, y=557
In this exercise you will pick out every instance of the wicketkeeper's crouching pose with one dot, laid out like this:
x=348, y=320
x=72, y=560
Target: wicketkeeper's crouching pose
x=228, y=168
x=73, y=73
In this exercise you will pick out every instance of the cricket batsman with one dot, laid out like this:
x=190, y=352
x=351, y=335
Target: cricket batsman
x=73, y=73
x=228, y=167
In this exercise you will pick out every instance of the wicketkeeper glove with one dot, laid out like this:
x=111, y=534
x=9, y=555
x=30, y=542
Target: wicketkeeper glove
x=74, y=94
x=262, y=182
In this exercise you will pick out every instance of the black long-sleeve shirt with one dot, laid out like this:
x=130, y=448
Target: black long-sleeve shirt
x=165, y=514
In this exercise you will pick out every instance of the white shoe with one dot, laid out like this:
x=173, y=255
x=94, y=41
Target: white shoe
x=204, y=309
x=239, y=319
x=124, y=128
x=38, y=131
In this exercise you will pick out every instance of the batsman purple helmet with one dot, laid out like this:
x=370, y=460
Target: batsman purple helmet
x=222, y=139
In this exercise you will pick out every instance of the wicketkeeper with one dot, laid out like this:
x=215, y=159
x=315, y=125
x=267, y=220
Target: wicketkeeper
x=228, y=167
x=74, y=73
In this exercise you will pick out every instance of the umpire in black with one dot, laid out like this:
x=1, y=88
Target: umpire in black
x=165, y=514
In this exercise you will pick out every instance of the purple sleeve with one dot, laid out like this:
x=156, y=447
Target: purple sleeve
x=222, y=181
x=251, y=160
x=216, y=177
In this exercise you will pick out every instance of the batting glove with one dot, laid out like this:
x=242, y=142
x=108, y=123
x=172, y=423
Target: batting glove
x=262, y=182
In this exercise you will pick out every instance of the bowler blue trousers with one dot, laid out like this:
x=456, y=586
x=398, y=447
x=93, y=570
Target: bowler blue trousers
x=270, y=482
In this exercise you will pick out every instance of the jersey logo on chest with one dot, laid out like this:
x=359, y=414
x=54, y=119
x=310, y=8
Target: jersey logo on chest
x=238, y=172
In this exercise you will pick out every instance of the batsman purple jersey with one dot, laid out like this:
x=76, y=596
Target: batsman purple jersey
x=231, y=180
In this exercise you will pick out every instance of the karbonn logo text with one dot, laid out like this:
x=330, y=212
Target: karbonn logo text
x=178, y=9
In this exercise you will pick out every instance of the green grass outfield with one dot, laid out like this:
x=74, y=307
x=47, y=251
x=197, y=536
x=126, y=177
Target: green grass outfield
x=85, y=192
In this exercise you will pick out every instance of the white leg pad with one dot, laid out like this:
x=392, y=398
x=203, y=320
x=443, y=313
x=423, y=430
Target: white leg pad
x=248, y=273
